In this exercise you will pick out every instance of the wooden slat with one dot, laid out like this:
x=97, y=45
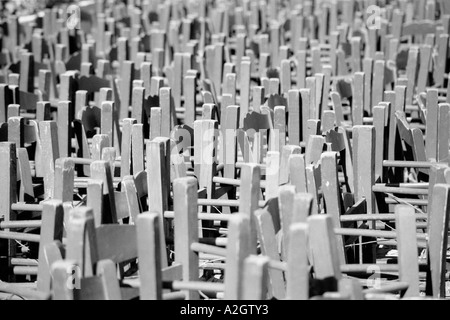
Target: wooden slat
x=239, y=248
x=149, y=257
x=432, y=124
x=286, y=208
x=437, y=244
x=116, y=242
x=332, y=194
x=269, y=248
x=50, y=152
x=158, y=177
x=81, y=239
x=64, y=180
x=323, y=246
x=126, y=154
x=137, y=148
x=364, y=165
x=101, y=170
x=249, y=196
x=256, y=273
x=186, y=220
x=298, y=269
x=95, y=200
x=407, y=247
x=380, y=115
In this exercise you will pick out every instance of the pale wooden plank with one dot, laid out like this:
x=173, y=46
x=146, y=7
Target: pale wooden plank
x=378, y=81
x=323, y=247
x=48, y=131
x=332, y=193
x=441, y=64
x=146, y=76
x=407, y=249
x=379, y=120
x=186, y=211
x=158, y=179
x=167, y=111
x=106, y=271
x=13, y=110
x=244, y=85
x=314, y=149
x=24, y=175
x=149, y=255
x=306, y=102
x=438, y=223
x=297, y=172
x=51, y=230
x=230, y=126
x=313, y=185
x=61, y=271
x=82, y=241
x=302, y=208
x=125, y=164
x=190, y=101
x=16, y=131
x=356, y=54
x=443, y=133
x=364, y=164
x=26, y=72
x=286, y=207
x=205, y=141
x=295, y=120
x=66, y=90
x=358, y=98
x=393, y=133
x=155, y=123
x=44, y=82
x=64, y=180
x=328, y=120
x=269, y=248
x=411, y=73
x=256, y=274
x=95, y=200
x=101, y=170
x=301, y=69
x=337, y=106
x=249, y=197
x=107, y=120
x=138, y=104
x=368, y=69
x=127, y=75
x=238, y=249
x=9, y=191
x=99, y=143
x=298, y=269
x=272, y=174
x=278, y=134
x=137, y=147
x=258, y=94
x=312, y=84
x=230, y=86
x=65, y=132
x=432, y=124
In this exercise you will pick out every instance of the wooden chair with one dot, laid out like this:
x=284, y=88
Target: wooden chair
x=207, y=131
x=93, y=259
